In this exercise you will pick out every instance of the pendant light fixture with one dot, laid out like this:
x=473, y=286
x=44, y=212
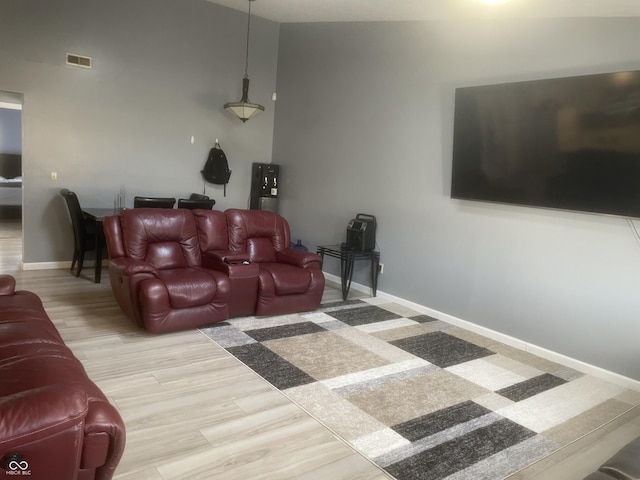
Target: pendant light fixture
x=244, y=109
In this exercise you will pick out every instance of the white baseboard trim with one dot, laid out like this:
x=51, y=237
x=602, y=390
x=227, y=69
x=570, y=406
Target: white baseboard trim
x=56, y=265
x=500, y=337
x=45, y=265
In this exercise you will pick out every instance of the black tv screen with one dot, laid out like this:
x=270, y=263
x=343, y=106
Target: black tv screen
x=570, y=143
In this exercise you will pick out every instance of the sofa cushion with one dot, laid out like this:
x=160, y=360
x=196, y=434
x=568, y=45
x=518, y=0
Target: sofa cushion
x=24, y=322
x=189, y=287
x=287, y=279
x=32, y=369
x=24, y=334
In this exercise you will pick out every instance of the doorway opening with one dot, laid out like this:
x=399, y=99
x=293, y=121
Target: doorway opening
x=11, y=194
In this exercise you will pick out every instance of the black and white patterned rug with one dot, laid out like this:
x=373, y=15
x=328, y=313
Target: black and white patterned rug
x=421, y=398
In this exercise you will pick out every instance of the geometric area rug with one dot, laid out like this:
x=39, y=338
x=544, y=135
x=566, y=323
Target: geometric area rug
x=421, y=398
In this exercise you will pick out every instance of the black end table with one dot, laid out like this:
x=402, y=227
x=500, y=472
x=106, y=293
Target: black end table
x=348, y=258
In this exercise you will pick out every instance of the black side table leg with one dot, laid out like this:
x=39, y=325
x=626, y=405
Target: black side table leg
x=343, y=276
x=349, y=274
x=375, y=266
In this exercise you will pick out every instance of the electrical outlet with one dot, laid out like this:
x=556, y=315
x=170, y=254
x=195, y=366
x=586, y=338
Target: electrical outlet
x=381, y=268
x=54, y=176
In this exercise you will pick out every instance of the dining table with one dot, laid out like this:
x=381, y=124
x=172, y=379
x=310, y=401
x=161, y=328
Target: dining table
x=97, y=215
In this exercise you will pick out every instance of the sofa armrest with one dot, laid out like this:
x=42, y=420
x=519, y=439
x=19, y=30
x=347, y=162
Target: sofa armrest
x=104, y=437
x=299, y=258
x=38, y=413
x=44, y=430
x=129, y=267
x=7, y=285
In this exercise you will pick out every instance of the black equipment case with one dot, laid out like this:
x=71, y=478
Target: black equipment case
x=361, y=233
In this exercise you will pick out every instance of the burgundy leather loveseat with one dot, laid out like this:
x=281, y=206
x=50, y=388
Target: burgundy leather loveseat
x=55, y=423
x=172, y=269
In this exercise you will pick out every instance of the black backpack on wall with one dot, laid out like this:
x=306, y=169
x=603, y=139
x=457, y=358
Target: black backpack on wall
x=216, y=169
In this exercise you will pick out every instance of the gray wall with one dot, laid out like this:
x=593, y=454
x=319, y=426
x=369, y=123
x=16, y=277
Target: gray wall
x=10, y=131
x=364, y=124
x=162, y=71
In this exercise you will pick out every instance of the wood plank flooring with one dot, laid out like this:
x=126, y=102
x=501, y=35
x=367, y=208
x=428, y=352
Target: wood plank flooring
x=194, y=412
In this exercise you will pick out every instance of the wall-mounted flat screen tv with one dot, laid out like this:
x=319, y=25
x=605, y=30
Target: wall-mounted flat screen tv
x=570, y=143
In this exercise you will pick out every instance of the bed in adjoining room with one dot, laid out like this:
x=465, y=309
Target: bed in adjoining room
x=10, y=186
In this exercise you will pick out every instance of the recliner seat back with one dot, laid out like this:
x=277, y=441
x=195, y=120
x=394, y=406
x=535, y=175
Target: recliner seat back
x=166, y=239
x=212, y=230
x=260, y=233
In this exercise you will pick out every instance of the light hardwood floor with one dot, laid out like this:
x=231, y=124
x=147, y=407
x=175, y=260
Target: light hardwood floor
x=192, y=411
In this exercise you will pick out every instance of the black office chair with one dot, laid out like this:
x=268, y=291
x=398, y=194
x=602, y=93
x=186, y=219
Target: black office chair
x=153, y=202
x=198, y=196
x=84, y=230
x=191, y=204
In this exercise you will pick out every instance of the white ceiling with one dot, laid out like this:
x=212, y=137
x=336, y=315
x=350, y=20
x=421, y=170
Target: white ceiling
x=293, y=11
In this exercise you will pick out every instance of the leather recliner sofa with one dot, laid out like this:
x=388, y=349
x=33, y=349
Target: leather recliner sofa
x=175, y=269
x=55, y=423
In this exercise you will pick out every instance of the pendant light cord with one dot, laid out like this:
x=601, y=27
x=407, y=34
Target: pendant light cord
x=246, y=61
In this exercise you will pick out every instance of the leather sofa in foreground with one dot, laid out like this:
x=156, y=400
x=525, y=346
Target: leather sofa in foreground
x=624, y=465
x=173, y=269
x=55, y=423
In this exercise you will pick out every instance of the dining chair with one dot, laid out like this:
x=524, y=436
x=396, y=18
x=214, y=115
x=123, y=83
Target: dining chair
x=206, y=204
x=153, y=202
x=198, y=196
x=84, y=231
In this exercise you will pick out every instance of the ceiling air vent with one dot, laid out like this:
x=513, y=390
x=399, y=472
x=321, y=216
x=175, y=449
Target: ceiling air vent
x=78, y=60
